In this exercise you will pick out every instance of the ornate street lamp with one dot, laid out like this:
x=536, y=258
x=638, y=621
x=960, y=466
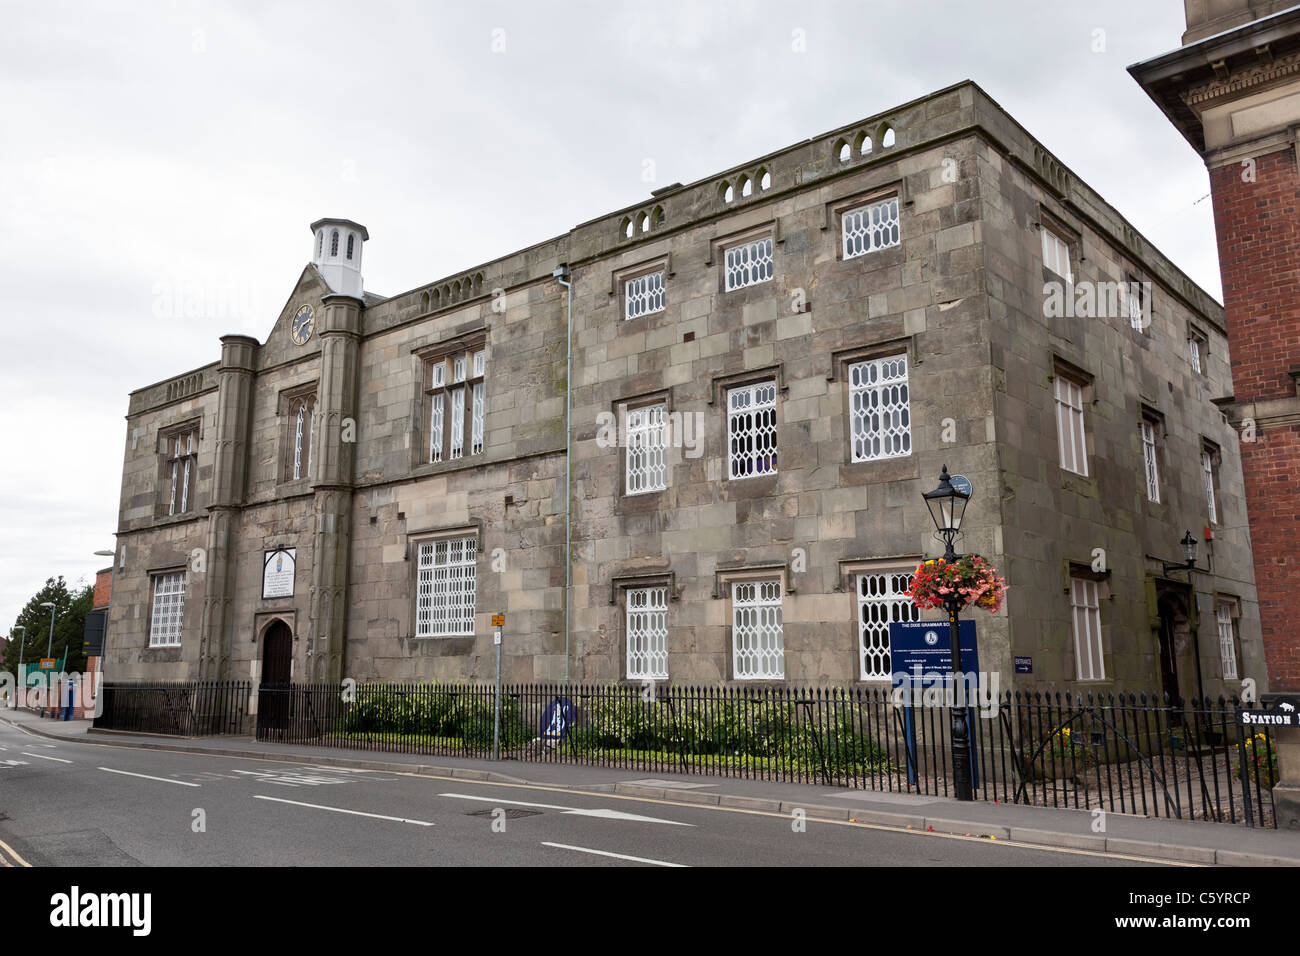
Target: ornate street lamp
x=947, y=505
x=1189, y=556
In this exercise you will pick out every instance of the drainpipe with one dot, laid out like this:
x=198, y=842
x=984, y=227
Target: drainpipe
x=562, y=276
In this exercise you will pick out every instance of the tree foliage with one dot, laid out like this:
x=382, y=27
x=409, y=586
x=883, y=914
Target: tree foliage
x=71, y=605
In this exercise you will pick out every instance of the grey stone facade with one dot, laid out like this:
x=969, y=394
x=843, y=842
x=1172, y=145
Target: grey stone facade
x=960, y=296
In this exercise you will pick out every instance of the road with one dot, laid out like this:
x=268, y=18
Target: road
x=67, y=803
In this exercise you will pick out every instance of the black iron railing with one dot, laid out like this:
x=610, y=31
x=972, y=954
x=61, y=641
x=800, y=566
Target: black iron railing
x=1120, y=753
x=180, y=708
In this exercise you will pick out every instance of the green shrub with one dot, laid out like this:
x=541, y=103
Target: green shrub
x=763, y=725
x=431, y=710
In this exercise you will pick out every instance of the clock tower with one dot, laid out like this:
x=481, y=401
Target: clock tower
x=336, y=253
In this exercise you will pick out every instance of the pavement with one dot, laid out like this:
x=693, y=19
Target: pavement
x=1155, y=839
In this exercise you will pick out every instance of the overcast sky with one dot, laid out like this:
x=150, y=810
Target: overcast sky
x=160, y=164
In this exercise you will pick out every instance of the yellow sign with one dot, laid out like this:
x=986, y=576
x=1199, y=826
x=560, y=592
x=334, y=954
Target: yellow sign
x=47, y=663
x=498, y=620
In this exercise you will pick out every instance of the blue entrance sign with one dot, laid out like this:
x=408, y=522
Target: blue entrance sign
x=920, y=657
x=559, y=718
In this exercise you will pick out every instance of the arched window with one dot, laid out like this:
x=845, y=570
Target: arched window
x=320, y=243
x=304, y=423
x=334, y=243
x=351, y=237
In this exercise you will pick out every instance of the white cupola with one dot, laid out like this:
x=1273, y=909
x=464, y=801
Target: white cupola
x=336, y=252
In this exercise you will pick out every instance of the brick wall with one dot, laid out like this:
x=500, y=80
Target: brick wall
x=103, y=587
x=1272, y=467
x=1259, y=255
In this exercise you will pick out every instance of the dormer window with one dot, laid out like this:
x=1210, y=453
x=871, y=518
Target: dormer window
x=334, y=243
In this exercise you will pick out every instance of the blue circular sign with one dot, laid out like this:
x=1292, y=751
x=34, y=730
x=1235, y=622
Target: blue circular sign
x=962, y=484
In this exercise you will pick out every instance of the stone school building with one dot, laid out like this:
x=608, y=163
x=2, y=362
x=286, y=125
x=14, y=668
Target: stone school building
x=688, y=440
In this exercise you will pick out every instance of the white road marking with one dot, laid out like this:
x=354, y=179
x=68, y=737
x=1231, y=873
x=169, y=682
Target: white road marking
x=356, y=813
x=617, y=856
x=572, y=811
x=43, y=757
x=145, y=776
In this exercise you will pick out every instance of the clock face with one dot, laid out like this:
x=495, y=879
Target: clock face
x=304, y=322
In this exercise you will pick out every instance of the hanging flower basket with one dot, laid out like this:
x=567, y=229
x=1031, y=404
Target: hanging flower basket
x=970, y=580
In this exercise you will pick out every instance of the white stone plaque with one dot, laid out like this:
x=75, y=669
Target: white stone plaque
x=277, y=573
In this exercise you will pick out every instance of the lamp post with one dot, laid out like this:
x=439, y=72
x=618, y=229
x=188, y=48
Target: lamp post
x=49, y=646
x=947, y=505
x=49, y=652
x=22, y=646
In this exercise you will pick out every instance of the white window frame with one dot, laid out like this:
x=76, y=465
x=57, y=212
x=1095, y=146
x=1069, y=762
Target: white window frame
x=1133, y=302
x=870, y=228
x=757, y=630
x=180, y=452
x=1056, y=255
x=457, y=446
x=747, y=407
x=303, y=433
x=457, y=409
x=748, y=263
x=1226, y=624
x=1198, y=350
x=645, y=457
x=879, y=388
x=1085, y=613
x=1149, y=460
x=644, y=294
x=446, y=592
x=1071, y=430
x=647, y=632
x=167, y=614
x=881, y=601
x=1207, y=475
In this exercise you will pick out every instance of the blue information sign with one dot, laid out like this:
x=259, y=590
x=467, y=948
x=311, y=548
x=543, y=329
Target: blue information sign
x=559, y=718
x=920, y=649
x=920, y=656
x=1024, y=665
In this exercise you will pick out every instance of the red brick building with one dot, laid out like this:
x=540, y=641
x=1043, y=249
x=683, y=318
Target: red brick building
x=1233, y=90
x=96, y=625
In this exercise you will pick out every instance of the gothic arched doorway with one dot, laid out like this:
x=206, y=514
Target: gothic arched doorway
x=277, y=654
